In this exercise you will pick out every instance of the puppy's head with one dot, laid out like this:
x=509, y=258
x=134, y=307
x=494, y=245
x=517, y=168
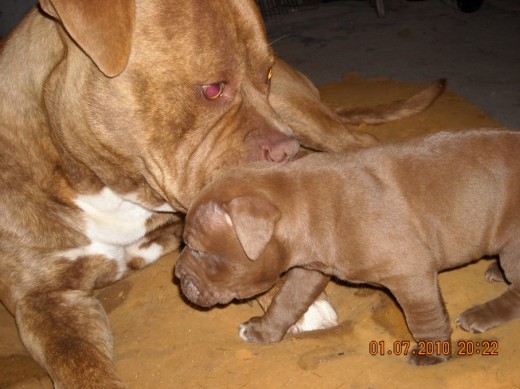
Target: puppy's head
x=169, y=92
x=231, y=250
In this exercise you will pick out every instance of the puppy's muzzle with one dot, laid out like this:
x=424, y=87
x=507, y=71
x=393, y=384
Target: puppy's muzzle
x=190, y=290
x=188, y=287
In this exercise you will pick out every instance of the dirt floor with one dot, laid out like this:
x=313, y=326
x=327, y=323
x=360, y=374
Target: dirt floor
x=162, y=342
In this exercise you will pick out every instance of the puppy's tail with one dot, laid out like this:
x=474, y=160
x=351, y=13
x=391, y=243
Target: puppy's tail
x=396, y=110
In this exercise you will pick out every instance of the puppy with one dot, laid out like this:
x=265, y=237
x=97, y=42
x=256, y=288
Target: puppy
x=392, y=216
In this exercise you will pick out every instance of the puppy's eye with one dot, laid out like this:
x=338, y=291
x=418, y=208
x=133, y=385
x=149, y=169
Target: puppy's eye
x=213, y=91
x=195, y=251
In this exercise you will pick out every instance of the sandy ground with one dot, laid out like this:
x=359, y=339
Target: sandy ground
x=162, y=342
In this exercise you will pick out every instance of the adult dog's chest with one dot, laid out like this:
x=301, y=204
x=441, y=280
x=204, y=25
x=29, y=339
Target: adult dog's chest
x=111, y=219
x=116, y=227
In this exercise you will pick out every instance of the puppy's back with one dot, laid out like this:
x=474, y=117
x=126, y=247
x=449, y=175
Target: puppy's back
x=459, y=191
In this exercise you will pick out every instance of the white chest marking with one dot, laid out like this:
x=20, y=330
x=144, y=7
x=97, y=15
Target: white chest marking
x=112, y=223
x=112, y=219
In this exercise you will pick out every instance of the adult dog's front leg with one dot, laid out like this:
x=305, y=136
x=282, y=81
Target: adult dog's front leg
x=164, y=236
x=299, y=290
x=67, y=332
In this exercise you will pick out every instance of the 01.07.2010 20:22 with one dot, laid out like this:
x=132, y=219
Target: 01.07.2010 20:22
x=464, y=347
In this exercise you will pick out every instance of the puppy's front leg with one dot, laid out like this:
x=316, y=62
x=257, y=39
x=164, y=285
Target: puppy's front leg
x=426, y=316
x=299, y=290
x=67, y=332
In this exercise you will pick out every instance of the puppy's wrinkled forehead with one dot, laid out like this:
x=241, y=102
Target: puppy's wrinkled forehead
x=191, y=33
x=205, y=224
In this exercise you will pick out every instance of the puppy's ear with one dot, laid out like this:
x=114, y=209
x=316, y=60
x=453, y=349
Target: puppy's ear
x=102, y=28
x=253, y=219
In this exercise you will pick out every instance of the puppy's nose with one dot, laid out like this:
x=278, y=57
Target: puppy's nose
x=190, y=290
x=280, y=150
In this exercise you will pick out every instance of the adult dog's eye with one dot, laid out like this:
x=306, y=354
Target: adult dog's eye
x=213, y=91
x=269, y=75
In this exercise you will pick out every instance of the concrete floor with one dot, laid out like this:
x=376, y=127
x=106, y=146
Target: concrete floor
x=417, y=41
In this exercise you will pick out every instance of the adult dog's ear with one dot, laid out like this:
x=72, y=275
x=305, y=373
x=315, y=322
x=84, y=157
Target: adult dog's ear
x=102, y=28
x=253, y=219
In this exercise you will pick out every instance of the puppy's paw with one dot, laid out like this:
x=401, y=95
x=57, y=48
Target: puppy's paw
x=255, y=330
x=477, y=319
x=418, y=359
x=320, y=315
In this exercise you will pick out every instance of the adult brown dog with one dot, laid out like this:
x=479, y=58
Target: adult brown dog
x=114, y=115
x=392, y=216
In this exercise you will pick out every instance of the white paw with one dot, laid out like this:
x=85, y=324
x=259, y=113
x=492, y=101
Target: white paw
x=319, y=316
x=148, y=252
x=242, y=331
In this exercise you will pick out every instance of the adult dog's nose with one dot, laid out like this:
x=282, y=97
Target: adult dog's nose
x=281, y=150
x=271, y=145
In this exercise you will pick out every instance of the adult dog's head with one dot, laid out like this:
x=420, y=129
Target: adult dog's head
x=166, y=93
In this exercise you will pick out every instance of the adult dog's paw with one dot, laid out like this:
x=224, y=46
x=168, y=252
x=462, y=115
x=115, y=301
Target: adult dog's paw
x=255, y=330
x=320, y=315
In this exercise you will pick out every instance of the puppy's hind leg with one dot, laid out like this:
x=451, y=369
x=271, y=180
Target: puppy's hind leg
x=420, y=298
x=502, y=309
x=67, y=332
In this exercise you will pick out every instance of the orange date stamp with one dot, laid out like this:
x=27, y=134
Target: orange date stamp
x=428, y=348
